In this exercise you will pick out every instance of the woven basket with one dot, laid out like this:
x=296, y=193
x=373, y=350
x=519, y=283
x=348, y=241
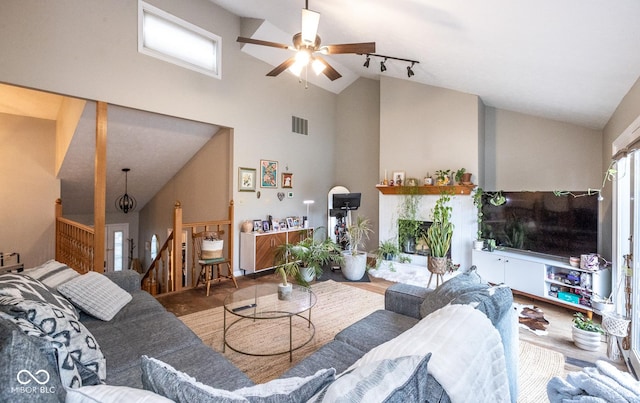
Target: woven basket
x=211, y=249
x=615, y=325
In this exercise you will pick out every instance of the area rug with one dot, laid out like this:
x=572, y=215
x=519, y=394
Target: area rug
x=338, y=306
x=536, y=367
x=402, y=273
x=532, y=318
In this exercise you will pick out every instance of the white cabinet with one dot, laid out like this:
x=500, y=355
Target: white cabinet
x=546, y=278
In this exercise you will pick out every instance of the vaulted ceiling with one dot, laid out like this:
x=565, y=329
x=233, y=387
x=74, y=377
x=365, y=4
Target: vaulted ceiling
x=570, y=60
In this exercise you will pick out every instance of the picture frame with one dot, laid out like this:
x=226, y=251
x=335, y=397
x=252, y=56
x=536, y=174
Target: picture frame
x=257, y=225
x=287, y=180
x=268, y=174
x=290, y=222
x=246, y=179
x=265, y=226
x=398, y=175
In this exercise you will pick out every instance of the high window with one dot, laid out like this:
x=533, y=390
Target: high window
x=169, y=38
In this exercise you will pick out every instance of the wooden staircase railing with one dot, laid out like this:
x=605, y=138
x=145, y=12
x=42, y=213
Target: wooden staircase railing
x=157, y=277
x=74, y=243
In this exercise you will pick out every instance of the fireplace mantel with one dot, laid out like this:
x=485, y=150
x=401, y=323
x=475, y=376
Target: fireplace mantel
x=426, y=189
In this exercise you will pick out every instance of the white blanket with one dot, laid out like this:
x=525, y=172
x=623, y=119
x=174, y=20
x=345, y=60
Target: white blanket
x=467, y=354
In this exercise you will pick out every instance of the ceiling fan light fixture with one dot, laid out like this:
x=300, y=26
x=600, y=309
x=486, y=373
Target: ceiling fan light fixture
x=310, y=21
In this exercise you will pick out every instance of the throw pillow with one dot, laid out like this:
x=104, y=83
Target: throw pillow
x=76, y=342
x=112, y=394
x=162, y=378
x=52, y=273
x=390, y=380
x=96, y=295
x=15, y=287
x=492, y=301
x=449, y=290
x=25, y=373
x=56, y=353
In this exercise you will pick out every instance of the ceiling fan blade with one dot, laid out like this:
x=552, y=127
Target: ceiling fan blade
x=331, y=73
x=282, y=67
x=360, y=48
x=310, y=21
x=261, y=42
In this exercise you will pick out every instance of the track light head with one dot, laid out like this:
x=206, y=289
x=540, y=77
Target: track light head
x=410, y=72
x=383, y=68
x=366, y=62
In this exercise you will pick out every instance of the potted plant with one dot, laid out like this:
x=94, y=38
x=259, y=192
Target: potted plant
x=443, y=177
x=586, y=333
x=496, y=199
x=355, y=262
x=408, y=224
x=463, y=177
x=439, y=235
x=304, y=260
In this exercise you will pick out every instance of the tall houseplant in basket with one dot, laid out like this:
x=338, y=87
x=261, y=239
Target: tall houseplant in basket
x=439, y=235
x=355, y=262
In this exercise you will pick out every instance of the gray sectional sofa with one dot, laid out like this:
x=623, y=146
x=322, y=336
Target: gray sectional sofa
x=144, y=327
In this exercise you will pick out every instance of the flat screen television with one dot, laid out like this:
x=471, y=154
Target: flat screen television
x=346, y=201
x=543, y=222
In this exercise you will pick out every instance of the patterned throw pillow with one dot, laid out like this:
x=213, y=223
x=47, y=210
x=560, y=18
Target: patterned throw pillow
x=390, y=380
x=162, y=378
x=16, y=287
x=96, y=294
x=52, y=273
x=76, y=346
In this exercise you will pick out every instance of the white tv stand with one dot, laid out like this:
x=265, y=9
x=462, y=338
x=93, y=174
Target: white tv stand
x=537, y=276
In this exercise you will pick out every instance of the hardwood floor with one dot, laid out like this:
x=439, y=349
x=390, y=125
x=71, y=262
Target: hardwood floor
x=558, y=337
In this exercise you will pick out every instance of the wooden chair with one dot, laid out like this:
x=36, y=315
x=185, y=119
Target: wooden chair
x=207, y=264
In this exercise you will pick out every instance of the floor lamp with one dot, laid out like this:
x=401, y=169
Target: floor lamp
x=307, y=222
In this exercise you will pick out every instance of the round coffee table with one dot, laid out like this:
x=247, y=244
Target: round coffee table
x=261, y=302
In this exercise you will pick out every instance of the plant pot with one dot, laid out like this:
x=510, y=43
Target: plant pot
x=409, y=245
x=354, y=266
x=284, y=291
x=478, y=244
x=388, y=256
x=308, y=274
x=437, y=265
x=586, y=340
x=466, y=178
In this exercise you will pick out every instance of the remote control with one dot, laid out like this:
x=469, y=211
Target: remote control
x=241, y=308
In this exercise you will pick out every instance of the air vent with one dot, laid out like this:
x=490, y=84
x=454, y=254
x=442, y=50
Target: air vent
x=299, y=125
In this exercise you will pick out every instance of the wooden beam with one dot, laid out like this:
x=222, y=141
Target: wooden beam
x=100, y=187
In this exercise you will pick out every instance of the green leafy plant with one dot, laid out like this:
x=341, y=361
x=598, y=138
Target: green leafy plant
x=459, y=173
x=387, y=250
x=584, y=323
x=408, y=225
x=442, y=176
x=609, y=176
x=441, y=230
x=494, y=198
x=310, y=253
x=358, y=233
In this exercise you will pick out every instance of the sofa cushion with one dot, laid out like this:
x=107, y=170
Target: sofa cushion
x=24, y=365
x=113, y=394
x=75, y=341
x=336, y=353
x=52, y=273
x=375, y=329
x=17, y=286
x=390, y=380
x=163, y=379
x=96, y=295
x=142, y=304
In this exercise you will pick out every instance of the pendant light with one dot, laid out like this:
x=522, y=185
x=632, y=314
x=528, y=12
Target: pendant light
x=125, y=202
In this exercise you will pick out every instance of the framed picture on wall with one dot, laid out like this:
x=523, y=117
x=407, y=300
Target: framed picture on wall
x=287, y=180
x=268, y=174
x=246, y=179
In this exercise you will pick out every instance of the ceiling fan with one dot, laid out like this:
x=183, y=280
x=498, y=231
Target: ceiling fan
x=306, y=44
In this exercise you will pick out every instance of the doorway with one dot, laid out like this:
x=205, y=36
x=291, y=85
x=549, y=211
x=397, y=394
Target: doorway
x=117, y=247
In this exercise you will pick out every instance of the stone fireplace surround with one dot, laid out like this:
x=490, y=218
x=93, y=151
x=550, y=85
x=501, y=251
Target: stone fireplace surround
x=463, y=216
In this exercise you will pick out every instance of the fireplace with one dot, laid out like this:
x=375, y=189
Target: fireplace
x=410, y=236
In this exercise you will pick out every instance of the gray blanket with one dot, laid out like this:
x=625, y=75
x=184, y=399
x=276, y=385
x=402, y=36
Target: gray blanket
x=604, y=383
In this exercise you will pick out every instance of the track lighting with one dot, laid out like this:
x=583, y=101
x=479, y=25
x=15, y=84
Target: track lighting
x=383, y=68
x=410, y=72
x=383, y=65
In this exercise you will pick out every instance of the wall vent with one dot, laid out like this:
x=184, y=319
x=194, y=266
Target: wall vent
x=299, y=125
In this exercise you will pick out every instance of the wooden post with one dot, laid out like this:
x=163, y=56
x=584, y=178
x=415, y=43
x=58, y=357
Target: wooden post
x=176, y=264
x=100, y=187
x=58, y=214
x=232, y=225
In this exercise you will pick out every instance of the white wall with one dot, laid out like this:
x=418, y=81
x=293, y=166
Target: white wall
x=531, y=153
x=28, y=184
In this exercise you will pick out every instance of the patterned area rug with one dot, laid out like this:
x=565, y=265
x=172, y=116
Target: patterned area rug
x=531, y=318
